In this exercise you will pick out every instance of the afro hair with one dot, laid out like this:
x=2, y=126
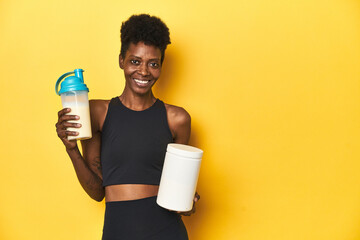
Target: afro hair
x=144, y=28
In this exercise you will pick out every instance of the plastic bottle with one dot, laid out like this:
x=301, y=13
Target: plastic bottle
x=74, y=95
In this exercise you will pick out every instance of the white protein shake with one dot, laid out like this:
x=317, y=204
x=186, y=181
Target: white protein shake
x=85, y=129
x=79, y=105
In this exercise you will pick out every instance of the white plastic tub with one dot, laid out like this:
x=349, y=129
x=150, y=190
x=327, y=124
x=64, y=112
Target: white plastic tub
x=179, y=177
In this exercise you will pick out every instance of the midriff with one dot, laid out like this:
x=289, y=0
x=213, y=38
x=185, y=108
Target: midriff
x=125, y=192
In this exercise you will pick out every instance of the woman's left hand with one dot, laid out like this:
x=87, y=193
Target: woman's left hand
x=193, y=210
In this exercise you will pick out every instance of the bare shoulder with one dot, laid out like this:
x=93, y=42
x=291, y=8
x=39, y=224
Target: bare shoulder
x=179, y=121
x=98, y=111
x=98, y=105
x=177, y=114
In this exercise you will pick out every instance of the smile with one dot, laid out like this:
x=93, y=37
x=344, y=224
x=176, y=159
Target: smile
x=142, y=82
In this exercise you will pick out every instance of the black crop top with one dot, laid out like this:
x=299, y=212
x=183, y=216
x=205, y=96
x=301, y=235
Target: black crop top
x=133, y=144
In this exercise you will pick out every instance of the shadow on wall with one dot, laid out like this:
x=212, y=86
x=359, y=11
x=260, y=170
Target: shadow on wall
x=171, y=75
x=212, y=179
x=167, y=89
x=194, y=223
x=214, y=207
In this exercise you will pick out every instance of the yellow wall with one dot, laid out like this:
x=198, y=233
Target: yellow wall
x=272, y=86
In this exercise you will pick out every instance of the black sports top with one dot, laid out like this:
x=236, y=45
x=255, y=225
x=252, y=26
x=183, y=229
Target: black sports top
x=133, y=144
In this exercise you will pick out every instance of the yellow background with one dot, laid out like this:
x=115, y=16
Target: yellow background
x=273, y=89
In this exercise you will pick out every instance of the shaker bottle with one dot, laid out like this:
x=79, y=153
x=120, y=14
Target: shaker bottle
x=179, y=177
x=74, y=95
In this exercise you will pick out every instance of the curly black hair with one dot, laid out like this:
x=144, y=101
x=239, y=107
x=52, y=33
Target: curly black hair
x=144, y=28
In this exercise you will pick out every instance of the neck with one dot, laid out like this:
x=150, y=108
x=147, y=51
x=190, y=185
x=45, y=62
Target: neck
x=137, y=102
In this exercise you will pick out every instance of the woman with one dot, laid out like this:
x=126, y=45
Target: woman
x=123, y=160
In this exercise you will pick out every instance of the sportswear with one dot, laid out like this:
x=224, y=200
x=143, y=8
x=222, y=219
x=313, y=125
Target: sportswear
x=134, y=143
x=142, y=219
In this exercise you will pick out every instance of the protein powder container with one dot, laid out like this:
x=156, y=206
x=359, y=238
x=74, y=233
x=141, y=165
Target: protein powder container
x=179, y=177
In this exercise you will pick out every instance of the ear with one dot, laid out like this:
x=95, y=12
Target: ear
x=121, y=62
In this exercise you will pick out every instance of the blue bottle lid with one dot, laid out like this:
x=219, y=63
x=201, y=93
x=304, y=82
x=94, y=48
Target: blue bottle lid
x=72, y=83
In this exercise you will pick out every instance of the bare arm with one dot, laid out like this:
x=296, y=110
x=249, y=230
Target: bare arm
x=87, y=167
x=180, y=123
x=90, y=182
x=180, y=126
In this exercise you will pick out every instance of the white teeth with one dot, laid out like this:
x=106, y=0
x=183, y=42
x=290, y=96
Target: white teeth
x=141, y=82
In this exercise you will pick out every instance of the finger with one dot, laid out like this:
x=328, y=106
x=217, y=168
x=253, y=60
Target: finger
x=184, y=213
x=65, y=125
x=63, y=134
x=193, y=210
x=65, y=118
x=71, y=125
x=64, y=111
x=71, y=133
x=197, y=197
x=188, y=213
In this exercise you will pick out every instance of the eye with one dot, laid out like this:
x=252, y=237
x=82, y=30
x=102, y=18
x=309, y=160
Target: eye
x=135, y=62
x=154, y=65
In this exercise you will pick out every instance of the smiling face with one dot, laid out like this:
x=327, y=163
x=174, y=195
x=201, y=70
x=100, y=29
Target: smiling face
x=142, y=67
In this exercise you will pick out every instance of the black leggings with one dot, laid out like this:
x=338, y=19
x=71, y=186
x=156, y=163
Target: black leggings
x=142, y=219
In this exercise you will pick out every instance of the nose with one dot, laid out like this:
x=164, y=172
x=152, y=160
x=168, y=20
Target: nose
x=143, y=69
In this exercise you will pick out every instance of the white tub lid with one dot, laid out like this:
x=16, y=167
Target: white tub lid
x=185, y=150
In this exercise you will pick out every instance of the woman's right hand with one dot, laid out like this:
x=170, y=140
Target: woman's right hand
x=61, y=126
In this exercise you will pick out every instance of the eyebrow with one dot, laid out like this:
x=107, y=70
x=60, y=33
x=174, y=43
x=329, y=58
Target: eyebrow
x=157, y=59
